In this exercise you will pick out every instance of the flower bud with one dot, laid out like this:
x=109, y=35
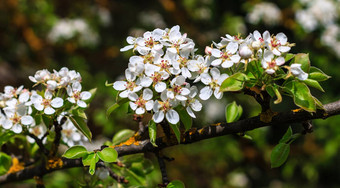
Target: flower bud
x=245, y=52
x=208, y=50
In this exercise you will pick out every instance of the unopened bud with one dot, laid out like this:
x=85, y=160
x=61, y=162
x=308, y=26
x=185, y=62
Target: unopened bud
x=245, y=52
x=208, y=50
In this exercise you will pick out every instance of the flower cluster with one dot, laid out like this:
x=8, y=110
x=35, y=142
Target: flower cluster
x=21, y=108
x=160, y=77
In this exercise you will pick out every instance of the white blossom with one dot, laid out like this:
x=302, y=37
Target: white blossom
x=213, y=83
x=298, y=72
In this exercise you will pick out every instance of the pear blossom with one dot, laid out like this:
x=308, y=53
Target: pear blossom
x=199, y=66
x=149, y=42
x=298, y=72
x=10, y=91
x=46, y=104
x=16, y=116
x=77, y=96
x=258, y=40
x=142, y=103
x=165, y=108
x=70, y=134
x=40, y=76
x=278, y=44
x=271, y=63
x=213, y=84
x=128, y=86
x=226, y=58
x=37, y=131
x=177, y=91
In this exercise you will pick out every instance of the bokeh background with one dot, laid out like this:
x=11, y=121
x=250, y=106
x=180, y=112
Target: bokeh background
x=87, y=35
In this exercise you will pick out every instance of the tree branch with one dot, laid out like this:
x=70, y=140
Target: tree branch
x=191, y=136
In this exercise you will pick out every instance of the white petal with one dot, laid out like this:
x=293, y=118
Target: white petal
x=140, y=111
x=49, y=111
x=270, y=71
x=160, y=86
x=190, y=112
x=181, y=98
x=282, y=38
x=206, y=93
x=7, y=124
x=186, y=73
x=218, y=94
x=119, y=85
x=235, y=58
x=185, y=91
x=76, y=86
x=284, y=49
x=145, y=81
x=216, y=62
x=124, y=94
x=227, y=64
x=149, y=105
x=126, y=48
x=17, y=128
x=215, y=73
x=57, y=102
x=216, y=53
x=81, y=104
x=133, y=105
x=24, y=97
x=130, y=76
x=147, y=94
x=38, y=106
x=232, y=47
x=72, y=100
x=133, y=96
x=257, y=35
x=27, y=120
x=196, y=105
x=276, y=52
x=85, y=95
x=158, y=117
x=280, y=61
x=172, y=116
x=205, y=78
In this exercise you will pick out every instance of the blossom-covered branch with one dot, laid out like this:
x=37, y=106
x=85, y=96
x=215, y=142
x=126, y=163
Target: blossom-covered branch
x=193, y=135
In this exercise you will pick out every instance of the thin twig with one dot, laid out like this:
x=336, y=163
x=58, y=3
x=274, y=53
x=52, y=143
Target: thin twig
x=162, y=166
x=40, y=144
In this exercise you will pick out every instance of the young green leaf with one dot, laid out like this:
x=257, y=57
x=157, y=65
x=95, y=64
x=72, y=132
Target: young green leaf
x=303, y=59
x=231, y=112
x=87, y=158
x=116, y=105
x=108, y=155
x=5, y=161
x=80, y=124
x=301, y=95
x=93, y=163
x=185, y=118
x=317, y=74
x=79, y=112
x=153, y=132
x=176, y=131
x=122, y=136
x=240, y=112
x=279, y=154
x=314, y=83
x=175, y=184
x=234, y=82
x=4, y=137
x=287, y=136
x=75, y=152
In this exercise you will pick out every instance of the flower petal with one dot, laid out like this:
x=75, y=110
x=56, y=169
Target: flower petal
x=119, y=85
x=85, y=95
x=49, y=111
x=57, y=102
x=158, y=117
x=206, y=93
x=172, y=116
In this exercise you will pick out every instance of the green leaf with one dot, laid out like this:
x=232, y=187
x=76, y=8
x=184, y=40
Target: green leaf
x=116, y=105
x=303, y=59
x=108, y=155
x=240, y=112
x=176, y=131
x=152, y=132
x=5, y=163
x=231, y=112
x=175, y=184
x=318, y=103
x=317, y=74
x=122, y=136
x=279, y=154
x=314, y=83
x=289, y=56
x=75, y=152
x=93, y=163
x=80, y=124
x=287, y=136
x=185, y=118
x=88, y=158
x=79, y=112
x=301, y=95
x=234, y=82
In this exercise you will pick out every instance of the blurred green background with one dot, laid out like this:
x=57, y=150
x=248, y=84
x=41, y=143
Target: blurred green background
x=87, y=35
